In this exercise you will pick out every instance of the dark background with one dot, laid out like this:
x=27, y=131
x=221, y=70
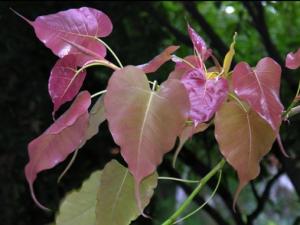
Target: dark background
x=141, y=31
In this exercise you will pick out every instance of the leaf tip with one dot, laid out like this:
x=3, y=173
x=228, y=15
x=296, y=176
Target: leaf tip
x=36, y=201
x=23, y=17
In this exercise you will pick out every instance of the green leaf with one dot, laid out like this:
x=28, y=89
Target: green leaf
x=78, y=207
x=116, y=196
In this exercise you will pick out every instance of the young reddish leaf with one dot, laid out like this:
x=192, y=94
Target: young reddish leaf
x=187, y=133
x=243, y=138
x=159, y=60
x=199, y=44
x=67, y=31
x=59, y=140
x=63, y=85
x=260, y=89
x=206, y=95
x=292, y=60
x=144, y=123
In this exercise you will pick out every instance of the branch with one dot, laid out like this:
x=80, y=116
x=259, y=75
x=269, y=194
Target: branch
x=264, y=197
x=199, y=168
x=216, y=42
x=214, y=214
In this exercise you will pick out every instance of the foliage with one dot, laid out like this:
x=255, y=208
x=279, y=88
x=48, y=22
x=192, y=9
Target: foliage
x=145, y=122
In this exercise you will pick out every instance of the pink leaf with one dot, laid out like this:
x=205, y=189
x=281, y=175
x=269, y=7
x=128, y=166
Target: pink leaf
x=292, y=60
x=144, y=123
x=64, y=31
x=63, y=85
x=260, y=89
x=206, y=95
x=159, y=60
x=59, y=140
x=199, y=44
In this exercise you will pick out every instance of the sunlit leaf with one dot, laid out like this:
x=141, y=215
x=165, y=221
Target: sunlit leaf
x=63, y=137
x=243, y=138
x=73, y=31
x=260, y=89
x=187, y=133
x=206, y=95
x=63, y=84
x=116, y=203
x=159, y=60
x=144, y=123
x=79, y=206
x=229, y=56
x=292, y=60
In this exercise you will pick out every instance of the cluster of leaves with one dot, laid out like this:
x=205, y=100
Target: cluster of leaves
x=145, y=121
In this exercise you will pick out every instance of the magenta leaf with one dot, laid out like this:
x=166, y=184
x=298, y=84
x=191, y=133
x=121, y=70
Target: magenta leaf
x=143, y=122
x=199, y=44
x=206, y=95
x=63, y=84
x=159, y=60
x=63, y=137
x=71, y=31
x=260, y=89
x=292, y=60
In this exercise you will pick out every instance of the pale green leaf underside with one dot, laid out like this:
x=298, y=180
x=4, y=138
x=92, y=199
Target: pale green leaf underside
x=116, y=197
x=78, y=207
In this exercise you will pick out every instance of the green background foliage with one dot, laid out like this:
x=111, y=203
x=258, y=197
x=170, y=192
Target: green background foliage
x=141, y=31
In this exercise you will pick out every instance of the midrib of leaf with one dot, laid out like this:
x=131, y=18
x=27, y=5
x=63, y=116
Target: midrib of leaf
x=143, y=126
x=250, y=139
x=118, y=195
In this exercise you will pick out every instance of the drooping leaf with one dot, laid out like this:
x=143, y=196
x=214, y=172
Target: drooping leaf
x=243, y=138
x=187, y=133
x=71, y=31
x=63, y=84
x=116, y=203
x=79, y=206
x=96, y=117
x=159, y=60
x=260, y=89
x=199, y=44
x=292, y=60
x=63, y=137
x=144, y=123
x=206, y=95
x=229, y=56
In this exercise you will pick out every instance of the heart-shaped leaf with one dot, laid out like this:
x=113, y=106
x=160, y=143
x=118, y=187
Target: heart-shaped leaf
x=159, y=60
x=292, y=60
x=143, y=122
x=199, y=44
x=116, y=203
x=63, y=137
x=243, y=138
x=71, y=31
x=260, y=89
x=79, y=206
x=206, y=95
x=63, y=84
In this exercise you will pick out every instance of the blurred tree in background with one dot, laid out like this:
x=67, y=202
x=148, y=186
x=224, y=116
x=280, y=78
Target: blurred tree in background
x=141, y=31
